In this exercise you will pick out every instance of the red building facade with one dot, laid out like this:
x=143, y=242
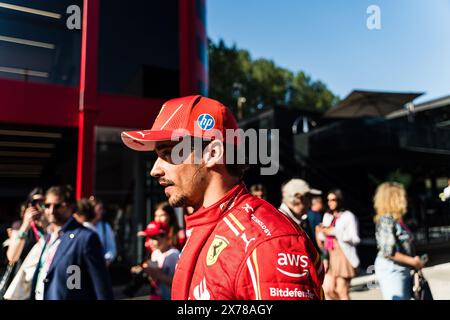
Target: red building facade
x=67, y=90
x=84, y=106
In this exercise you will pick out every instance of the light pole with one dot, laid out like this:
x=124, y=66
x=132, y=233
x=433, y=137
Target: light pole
x=237, y=88
x=240, y=105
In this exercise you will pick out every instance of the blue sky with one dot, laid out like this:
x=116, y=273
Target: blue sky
x=329, y=40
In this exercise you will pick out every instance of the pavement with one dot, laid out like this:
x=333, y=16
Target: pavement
x=438, y=276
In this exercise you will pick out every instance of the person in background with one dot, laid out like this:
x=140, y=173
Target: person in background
x=320, y=243
x=70, y=248
x=166, y=214
x=258, y=190
x=23, y=237
x=164, y=258
x=104, y=231
x=296, y=197
x=341, y=230
x=85, y=213
x=315, y=217
x=315, y=220
x=31, y=230
x=396, y=253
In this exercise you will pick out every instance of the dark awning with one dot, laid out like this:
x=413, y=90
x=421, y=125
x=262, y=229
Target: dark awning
x=371, y=103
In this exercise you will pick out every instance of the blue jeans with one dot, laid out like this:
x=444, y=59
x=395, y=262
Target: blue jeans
x=394, y=279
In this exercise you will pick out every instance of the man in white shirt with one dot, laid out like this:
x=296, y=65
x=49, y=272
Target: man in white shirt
x=296, y=197
x=71, y=265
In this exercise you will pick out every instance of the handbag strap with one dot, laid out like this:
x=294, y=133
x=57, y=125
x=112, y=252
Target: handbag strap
x=5, y=278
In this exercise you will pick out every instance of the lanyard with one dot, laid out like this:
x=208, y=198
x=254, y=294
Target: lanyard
x=37, y=233
x=48, y=254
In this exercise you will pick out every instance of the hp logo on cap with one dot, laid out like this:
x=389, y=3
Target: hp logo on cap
x=205, y=121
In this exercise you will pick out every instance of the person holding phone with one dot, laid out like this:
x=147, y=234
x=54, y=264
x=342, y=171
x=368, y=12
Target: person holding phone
x=31, y=229
x=23, y=236
x=396, y=254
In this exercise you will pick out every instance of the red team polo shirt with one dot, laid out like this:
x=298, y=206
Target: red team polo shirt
x=242, y=248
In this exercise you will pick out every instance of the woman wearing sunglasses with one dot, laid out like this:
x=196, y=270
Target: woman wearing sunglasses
x=31, y=229
x=21, y=242
x=341, y=230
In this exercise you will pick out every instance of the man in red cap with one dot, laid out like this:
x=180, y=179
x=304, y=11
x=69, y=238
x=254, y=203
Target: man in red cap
x=239, y=247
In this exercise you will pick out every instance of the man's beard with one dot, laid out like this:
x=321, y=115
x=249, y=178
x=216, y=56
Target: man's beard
x=185, y=200
x=176, y=201
x=60, y=219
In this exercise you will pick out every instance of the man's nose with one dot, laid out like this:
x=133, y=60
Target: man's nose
x=157, y=171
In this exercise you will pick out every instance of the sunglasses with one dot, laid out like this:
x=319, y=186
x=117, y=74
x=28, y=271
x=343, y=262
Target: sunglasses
x=55, y=205
x=332, y=200
x=37, y=203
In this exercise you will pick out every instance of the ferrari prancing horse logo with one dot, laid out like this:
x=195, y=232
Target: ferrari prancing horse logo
x=215, y=249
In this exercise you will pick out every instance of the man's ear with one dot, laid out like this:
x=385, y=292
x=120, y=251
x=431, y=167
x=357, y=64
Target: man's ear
x=213, y=154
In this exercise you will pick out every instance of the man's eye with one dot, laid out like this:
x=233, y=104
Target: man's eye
x=165, y=155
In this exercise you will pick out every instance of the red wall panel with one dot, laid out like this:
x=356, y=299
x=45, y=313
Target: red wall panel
x=38, y=104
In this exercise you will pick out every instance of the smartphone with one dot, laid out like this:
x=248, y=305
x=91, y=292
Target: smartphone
x=37, y=203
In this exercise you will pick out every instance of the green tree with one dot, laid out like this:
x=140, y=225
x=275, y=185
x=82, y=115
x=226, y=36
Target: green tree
x=233, y=74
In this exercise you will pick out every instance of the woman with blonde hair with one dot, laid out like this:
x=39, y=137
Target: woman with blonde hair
x=396, y=254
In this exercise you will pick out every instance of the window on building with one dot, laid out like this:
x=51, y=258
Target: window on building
x=36, y=43
x=139, y=48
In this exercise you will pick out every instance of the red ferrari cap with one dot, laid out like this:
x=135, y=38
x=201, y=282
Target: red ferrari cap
x=155, y=228
x=195, y=116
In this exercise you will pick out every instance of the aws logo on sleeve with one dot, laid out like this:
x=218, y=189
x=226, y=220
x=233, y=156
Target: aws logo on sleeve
x=215, y=249
x=290, y=265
